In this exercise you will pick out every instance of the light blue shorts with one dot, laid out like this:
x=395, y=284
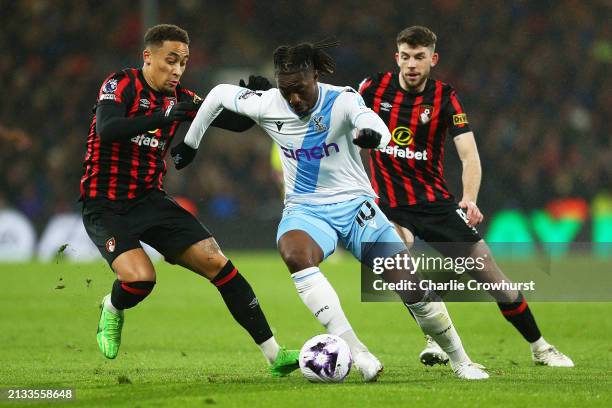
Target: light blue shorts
x=356, y=222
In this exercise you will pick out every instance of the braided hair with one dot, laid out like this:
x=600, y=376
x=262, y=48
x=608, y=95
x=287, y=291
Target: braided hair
x=305, y=57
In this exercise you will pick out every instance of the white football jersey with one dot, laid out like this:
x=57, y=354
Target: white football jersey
x=320, y=163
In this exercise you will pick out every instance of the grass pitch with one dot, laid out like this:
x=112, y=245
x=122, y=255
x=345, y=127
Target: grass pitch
x=182, y=348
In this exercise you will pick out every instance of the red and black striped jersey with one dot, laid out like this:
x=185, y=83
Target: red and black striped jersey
x=410, y=169
x=127, y=168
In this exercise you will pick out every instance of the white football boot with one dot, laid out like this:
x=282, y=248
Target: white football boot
x=550, y=356
x=468, y=370
x=368, y=365
x=432, y=354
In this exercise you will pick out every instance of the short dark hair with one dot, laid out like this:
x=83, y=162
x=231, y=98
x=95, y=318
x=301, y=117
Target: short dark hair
x=157, y=34
x=416, y=36
x=305, y=57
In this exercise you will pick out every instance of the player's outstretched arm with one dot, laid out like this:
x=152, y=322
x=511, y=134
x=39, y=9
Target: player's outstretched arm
x=367, y=139
x=229, y=97
x=234, y=122
x=223, y=96
x=113, y=125
x=372, y=131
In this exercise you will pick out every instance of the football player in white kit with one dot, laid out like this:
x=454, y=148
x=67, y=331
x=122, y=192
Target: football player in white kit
x=317, y=128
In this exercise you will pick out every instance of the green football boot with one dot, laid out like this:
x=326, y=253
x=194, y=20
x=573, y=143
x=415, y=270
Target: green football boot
x=286, y=362
x=109, y=330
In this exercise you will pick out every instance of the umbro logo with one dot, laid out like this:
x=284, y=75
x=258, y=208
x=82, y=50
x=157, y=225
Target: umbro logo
x=385, y=106
x=254, y=303
x=279, y=124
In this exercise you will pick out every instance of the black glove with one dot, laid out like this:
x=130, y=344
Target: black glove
x=180, y=112
x=256, y=83
x=182, y=155
x=367, y=139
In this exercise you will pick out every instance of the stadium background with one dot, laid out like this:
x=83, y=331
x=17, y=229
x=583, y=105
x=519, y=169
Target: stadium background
x=533, y=76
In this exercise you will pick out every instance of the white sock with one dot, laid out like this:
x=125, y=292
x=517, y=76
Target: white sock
x=321, y=298
x=108, y=305
x=434, y=320
x=355, y=345
x=539, y=344
x=270, y=349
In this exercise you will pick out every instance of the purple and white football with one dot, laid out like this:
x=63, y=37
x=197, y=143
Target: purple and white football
x=325, y=358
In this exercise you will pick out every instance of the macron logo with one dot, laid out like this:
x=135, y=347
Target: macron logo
x=315, y=153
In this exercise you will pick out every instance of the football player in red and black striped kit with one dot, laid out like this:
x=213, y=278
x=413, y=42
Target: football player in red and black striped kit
x=137, y=113
x=408, y=176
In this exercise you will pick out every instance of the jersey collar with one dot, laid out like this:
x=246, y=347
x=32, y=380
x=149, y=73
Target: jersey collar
x=397, y=84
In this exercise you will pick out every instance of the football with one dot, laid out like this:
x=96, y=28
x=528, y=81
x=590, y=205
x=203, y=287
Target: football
x=325, y=358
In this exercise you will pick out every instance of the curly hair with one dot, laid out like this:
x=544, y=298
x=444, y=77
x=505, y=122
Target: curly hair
x=305, y=57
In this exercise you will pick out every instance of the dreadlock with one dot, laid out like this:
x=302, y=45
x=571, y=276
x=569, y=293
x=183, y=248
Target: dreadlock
x=304, y=57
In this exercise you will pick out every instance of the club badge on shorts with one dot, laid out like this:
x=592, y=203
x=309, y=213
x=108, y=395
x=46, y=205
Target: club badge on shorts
x=110, y=244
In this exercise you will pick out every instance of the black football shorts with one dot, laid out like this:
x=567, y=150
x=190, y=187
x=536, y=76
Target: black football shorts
x=156, y=219
x=436, y=222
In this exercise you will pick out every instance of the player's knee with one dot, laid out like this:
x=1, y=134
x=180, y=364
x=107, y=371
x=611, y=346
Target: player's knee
x=207, y=266
x=213, y=266
x=210, y=260
x=297, y=260
x=134, y=266
x=508, y=296
x=136, y=274
x=405, y=234
x=299, y=251
x=204, y=258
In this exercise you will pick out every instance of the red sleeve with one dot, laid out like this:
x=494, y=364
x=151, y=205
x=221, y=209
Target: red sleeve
x=187, y=95
x=456, y=117
x=114, y=89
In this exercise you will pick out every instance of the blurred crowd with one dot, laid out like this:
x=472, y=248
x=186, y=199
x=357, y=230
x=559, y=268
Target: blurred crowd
x=533, y=77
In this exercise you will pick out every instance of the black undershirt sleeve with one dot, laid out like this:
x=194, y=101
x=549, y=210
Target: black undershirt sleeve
x=232, y=121
x=112, y=125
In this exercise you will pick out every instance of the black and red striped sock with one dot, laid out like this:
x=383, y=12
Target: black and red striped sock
x=128, y=294
x=242, y=302
x=519, y=314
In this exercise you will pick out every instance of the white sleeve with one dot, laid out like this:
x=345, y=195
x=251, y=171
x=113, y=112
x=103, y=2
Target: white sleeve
x=362, y=117
x=224, y=96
